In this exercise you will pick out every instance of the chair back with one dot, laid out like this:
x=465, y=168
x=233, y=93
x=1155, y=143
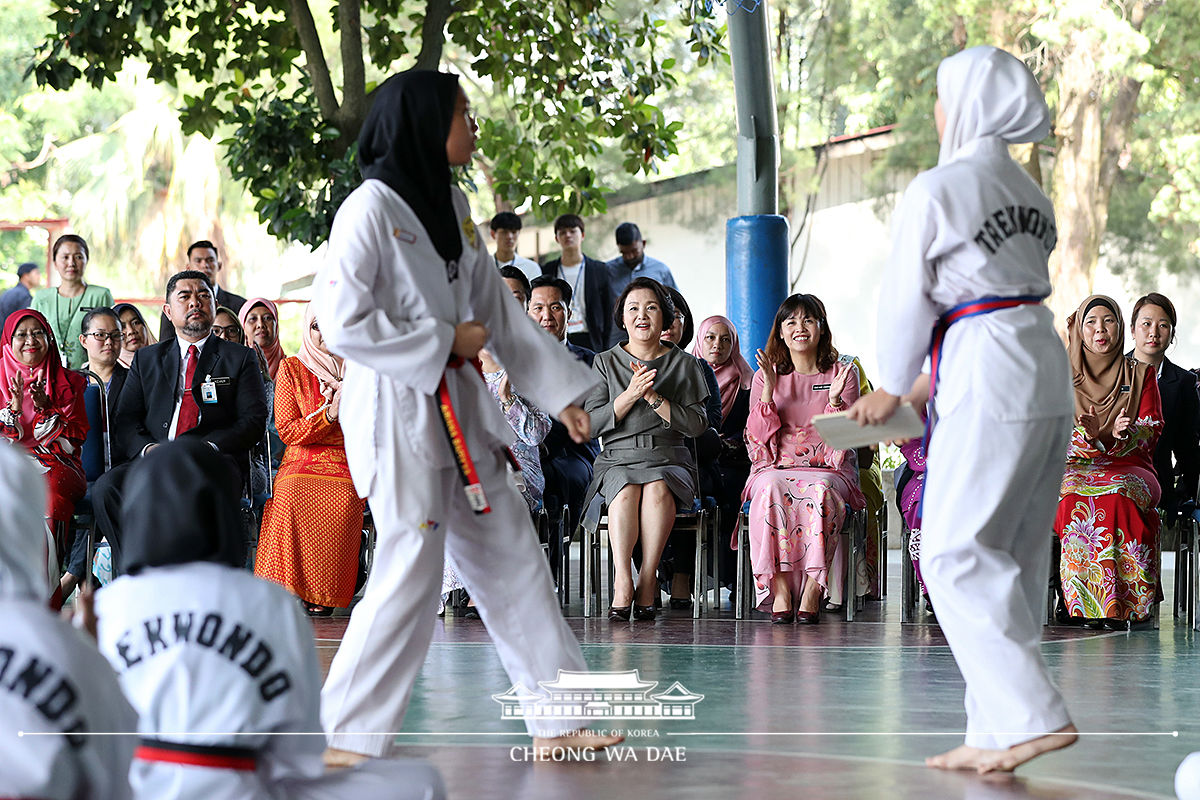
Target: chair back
x=95, y=453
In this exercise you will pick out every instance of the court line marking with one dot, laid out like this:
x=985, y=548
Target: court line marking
x=747, y=645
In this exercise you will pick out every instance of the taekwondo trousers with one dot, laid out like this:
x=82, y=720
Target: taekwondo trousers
x=991, y=493
x=421, y=515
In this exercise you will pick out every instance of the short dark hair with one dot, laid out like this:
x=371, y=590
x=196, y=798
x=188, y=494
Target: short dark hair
x=26, y=268
x=660, y=292
x=1155, y=299
x=99, y=311
x=188, y=275
x=568, y=221
x=564, y=288
x=70, y=237
x=689, y=328
x=505, y=221
x=776, y=350
x=203, y=244
x=628, y=233
x=518, y=276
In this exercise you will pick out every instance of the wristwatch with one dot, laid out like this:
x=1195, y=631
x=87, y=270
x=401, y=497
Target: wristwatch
x=654, y=406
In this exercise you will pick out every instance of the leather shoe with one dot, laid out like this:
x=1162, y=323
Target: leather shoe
x=678, y=603
x=644, y=613
x=783, y=617
x=808, y=617
x=620, y=613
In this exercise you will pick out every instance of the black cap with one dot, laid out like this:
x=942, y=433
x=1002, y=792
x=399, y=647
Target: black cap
x=26, y=268
x=628, y=233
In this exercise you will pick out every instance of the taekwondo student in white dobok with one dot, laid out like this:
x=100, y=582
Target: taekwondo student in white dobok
x=407, y=292
x=220, y=665
x=52, y=678
x=975, y=228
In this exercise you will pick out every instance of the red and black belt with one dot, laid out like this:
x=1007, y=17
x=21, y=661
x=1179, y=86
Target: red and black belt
x=197, y=755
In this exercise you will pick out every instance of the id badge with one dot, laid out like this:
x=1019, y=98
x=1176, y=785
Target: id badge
x=208, y=392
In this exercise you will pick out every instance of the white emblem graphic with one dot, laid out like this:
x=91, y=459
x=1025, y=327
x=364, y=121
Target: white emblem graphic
x=609, y=695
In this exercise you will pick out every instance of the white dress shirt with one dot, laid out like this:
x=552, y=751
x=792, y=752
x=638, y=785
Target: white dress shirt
x=180, y=387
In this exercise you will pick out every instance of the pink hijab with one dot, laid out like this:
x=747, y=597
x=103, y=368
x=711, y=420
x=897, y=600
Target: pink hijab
x=328, y=368
x=273, y=354
x=734, y=374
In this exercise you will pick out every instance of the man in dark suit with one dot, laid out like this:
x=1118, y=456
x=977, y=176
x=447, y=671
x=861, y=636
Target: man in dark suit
x=203, y=257
x=590, y=319
x=566, y=465
x=193, y=384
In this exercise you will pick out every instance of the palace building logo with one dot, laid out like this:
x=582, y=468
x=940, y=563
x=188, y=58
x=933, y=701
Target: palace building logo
x=598, y=695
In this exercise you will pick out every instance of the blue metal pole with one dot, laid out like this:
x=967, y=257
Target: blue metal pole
x=756, y=276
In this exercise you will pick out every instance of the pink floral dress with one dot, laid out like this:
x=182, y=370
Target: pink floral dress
x=799, y=489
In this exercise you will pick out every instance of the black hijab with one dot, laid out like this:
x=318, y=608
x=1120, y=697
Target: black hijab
x=181, y=505
x=403, y=144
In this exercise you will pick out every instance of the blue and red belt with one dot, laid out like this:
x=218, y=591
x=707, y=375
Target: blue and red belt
x=244, y=759
x=458, y=443
x=971, y=308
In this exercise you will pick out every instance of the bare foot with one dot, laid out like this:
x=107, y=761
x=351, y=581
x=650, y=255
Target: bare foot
x=340, y=759
x=1018, y=754
x=963, y=757
x=578, y=741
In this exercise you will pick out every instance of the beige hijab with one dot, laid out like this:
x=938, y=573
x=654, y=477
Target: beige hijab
x=1110, y=382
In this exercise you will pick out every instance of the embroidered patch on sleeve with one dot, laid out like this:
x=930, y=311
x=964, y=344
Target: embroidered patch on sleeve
x=404, y=236
x=468, y=229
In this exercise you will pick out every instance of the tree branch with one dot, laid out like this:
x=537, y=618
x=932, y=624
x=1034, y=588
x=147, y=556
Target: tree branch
x=314, y=58
x=1121, y=113
x=354, y=83
x=433, y=34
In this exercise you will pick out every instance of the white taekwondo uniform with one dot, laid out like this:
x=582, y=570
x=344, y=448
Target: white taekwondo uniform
x=386, y=304
x=52, y=678
x=206, y=650
x=977, y=226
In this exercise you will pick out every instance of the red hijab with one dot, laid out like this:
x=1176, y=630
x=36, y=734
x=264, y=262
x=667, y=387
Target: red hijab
x=273, y=354
x=62, y=384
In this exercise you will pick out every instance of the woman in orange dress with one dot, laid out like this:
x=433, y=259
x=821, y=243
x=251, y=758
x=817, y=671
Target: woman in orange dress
x=312, y=525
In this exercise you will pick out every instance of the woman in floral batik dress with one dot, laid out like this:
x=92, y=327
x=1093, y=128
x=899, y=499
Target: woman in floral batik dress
x=1107, y=523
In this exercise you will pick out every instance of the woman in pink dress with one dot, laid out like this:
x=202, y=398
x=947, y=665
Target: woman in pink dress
x=799, y=489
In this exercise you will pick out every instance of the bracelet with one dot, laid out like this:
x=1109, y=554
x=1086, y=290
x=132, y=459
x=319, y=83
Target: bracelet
x=838, y=404
x=505, y=405
x=654, y=406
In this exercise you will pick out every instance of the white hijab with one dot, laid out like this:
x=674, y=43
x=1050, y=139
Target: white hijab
x=988, y=93
x=22, y=527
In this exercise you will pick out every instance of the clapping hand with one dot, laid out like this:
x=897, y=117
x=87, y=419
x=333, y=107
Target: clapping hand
x=15, y=385
x=1121, y=425
x=641, y=382
x=770, y=376
x=1090, y=424
x=838, y=385
x=37, y=391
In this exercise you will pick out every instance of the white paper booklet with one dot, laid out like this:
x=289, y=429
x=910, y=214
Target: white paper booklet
x=842, y=433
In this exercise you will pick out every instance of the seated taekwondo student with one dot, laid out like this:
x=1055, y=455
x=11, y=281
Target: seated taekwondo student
x=216, y=660
x=52, y=680
x=220, y=377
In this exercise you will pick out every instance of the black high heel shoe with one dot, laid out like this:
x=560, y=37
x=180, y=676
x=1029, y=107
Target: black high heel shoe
x=620, y=613
x=644, y=613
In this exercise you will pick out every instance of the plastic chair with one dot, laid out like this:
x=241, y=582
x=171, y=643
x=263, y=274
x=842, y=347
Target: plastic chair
x=852, y=535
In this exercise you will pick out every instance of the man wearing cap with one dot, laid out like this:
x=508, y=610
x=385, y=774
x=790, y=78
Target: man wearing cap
x=633, y=263
x=29, y=277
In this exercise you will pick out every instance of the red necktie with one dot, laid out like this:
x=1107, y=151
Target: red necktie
x=189, y=412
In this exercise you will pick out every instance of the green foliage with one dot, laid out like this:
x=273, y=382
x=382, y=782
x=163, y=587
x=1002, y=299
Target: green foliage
x=573, y=74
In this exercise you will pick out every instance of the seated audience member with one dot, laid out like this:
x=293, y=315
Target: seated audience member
x=101, y=339
x=680, y=554
x=77, y=691
x=717, y=344
x=1177, y=456
x=202, y=256
x=312, y=525
x=505, y=228
x=870, y=481
x=201, y=646
x=1106, y=523
x=911, y=485
x=633, y=263
x=43, y=411
x=799, y=489
x=651, y=398
x=227, y=327
x=590, y=320
x=63, y=306
x=566, y=464
x=260, y=320
x=517, y=283
x=168, y=385
x=134, y=333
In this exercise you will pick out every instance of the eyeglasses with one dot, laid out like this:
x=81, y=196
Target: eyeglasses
x=102, y=337
x=21, y=336
x=227, y=331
